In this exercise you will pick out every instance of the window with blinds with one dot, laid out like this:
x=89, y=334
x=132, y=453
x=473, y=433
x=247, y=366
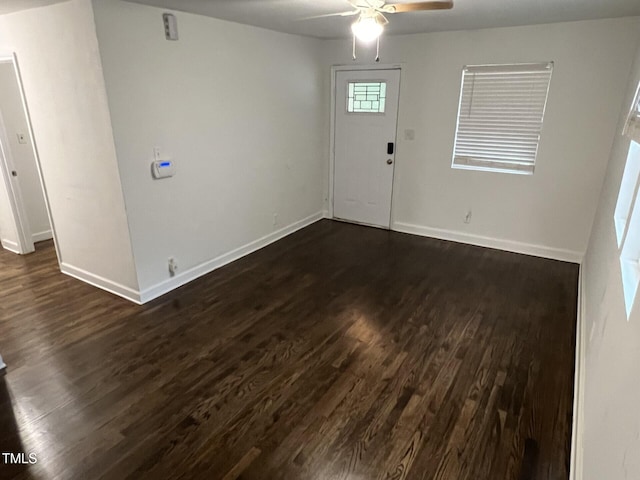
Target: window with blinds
x=500, y=117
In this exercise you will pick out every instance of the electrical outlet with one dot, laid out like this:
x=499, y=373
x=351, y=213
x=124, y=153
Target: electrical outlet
x=173, y=266
x=22, y=138
x=467, y=217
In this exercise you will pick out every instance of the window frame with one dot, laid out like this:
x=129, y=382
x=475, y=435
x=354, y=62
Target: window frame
x=496, y=165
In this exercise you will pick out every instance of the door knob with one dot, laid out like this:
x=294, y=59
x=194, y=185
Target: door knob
x=389, y=162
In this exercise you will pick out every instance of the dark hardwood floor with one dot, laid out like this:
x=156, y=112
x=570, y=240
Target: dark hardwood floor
x=340, y=352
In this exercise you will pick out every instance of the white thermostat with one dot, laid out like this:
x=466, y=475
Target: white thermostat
x=163, y=169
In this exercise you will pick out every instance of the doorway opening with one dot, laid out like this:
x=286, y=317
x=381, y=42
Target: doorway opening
x=25, y=218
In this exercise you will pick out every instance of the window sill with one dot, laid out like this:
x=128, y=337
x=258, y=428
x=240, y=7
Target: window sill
x=487, y=168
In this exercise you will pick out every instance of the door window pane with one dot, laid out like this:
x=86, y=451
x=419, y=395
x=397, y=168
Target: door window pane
x=366, y=97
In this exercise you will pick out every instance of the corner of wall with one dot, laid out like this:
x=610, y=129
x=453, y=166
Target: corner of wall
x=207, y=267
x=54, y=43
x=577, y=447
x=102, y=283
x=10, y=246
x=92, y=4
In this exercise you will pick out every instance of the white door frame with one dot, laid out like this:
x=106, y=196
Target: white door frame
x=332, y=125
x=25, y=238
x=18, y=211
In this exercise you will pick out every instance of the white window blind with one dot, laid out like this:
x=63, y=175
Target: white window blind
x=500, y=116
x=632, y=127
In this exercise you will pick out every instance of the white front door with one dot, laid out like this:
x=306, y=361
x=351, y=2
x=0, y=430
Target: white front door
x=366, y=117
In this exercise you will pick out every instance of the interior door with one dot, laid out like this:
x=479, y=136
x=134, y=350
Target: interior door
x=366, y=117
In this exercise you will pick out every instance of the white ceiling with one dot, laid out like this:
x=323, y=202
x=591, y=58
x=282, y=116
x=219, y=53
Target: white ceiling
x=8, y=6
x=288, y=15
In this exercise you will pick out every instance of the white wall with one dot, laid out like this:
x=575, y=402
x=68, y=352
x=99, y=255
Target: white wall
x=611, y=438
x=8, y=233
x=8, y=6
x=551, y=212
x=24, y=161
x=58, y=55
x=238, y=108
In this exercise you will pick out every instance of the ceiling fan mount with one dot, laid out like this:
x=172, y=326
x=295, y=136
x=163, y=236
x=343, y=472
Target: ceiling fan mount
x=371, y=16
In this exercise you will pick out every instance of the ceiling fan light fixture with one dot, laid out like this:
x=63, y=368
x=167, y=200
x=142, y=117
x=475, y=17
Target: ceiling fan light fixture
x=367, y=29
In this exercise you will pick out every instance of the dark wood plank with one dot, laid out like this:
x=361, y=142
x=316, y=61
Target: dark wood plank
x=339, y=352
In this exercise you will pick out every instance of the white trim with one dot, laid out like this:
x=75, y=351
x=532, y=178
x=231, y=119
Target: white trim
x=374, y=66
x=332, y=139
x=509, y=67
x=10, y=246
x=36, y=152
x=577, y=431
x=2, y=365
x=211, y=265
x=489, y=166
x=490, y=242
x=42, y=236
x=101, y=282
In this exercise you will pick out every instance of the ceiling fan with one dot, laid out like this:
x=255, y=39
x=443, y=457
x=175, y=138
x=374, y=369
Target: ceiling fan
x=371, y=17
x=371, y=14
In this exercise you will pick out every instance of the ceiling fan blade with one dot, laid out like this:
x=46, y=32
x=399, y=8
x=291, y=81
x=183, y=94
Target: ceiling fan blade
x=340, y=14
x=418, y=6
x=382, y=20
x=365, y=4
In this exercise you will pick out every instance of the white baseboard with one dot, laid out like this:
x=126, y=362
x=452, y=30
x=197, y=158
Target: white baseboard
x=10, y=246
x=211, y=265
x=42, y=236
x=490, y=242
x=325, y=214
x=2, y=365
x=191, y=274
x=101, y=282
x=577, y=431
